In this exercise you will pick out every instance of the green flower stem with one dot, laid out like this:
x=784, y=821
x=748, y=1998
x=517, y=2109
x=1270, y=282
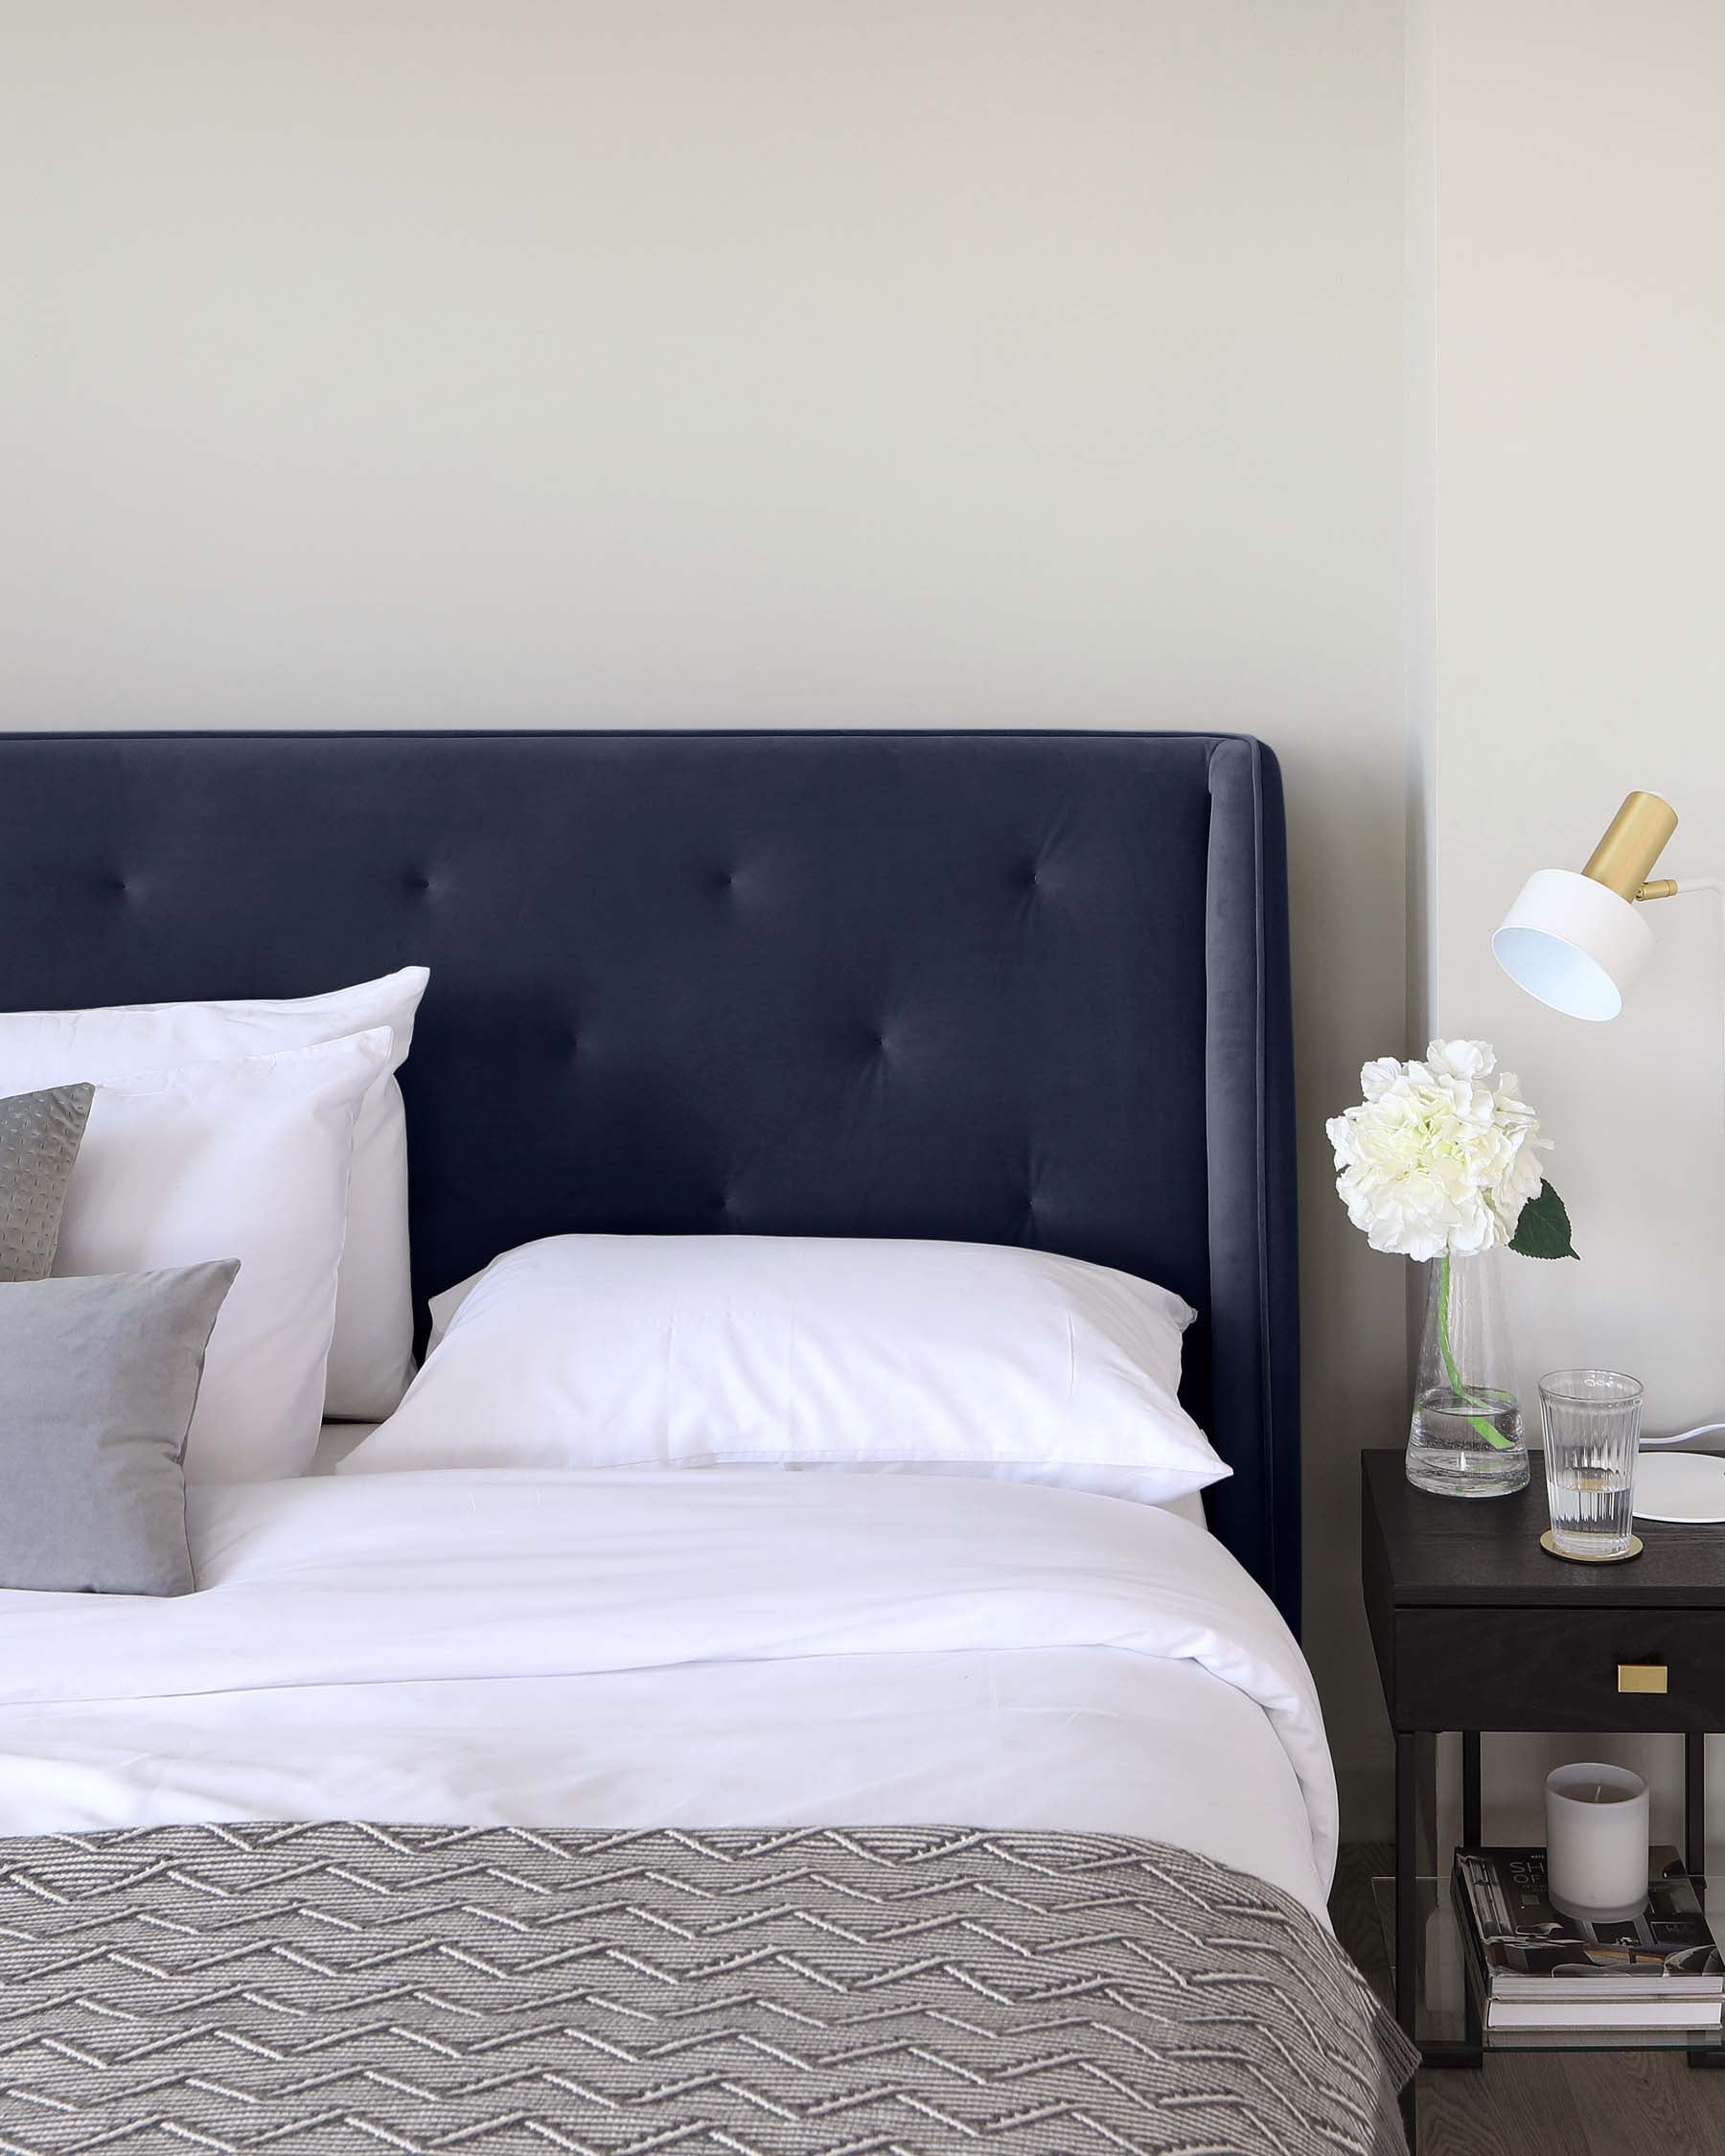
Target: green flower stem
x=1492, y=1435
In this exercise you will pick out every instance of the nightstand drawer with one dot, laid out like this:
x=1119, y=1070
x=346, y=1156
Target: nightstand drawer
x=1560, y=1669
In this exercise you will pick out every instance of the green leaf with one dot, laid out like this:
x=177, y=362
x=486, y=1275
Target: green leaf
x=1543, y=1231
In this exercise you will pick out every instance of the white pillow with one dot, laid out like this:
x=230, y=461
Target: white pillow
x=371, y=1357
x=246, y=1160
x=795, y=1351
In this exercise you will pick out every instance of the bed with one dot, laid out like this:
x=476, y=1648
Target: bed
x=737, y=1810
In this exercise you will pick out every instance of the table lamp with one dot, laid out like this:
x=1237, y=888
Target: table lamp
x=1575, y=942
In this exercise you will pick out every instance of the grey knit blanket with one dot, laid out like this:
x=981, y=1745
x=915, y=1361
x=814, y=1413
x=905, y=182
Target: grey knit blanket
x=317, y=1989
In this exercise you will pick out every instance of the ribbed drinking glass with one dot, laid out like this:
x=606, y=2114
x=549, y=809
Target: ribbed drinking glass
x=1591, y=1422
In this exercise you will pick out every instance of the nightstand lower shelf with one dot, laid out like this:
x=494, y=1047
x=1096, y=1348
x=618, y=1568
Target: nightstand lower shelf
x=1441, y=1995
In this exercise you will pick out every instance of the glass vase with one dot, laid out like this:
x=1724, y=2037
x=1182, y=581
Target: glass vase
x=1465, y=1438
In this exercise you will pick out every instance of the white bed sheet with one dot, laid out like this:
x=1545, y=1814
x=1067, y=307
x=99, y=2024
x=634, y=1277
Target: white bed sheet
x=614, y=1649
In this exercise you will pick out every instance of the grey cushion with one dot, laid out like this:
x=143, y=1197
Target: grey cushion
x=39, y=1137
x=97, y=1381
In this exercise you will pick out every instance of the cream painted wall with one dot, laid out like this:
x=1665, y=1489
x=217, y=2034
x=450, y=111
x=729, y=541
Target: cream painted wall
x=1010, y=362
x=1579, y=458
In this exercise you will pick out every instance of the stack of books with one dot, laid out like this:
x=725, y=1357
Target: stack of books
x=1532, y=1967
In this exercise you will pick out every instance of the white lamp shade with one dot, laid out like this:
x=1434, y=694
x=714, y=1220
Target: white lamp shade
x=1573, y=944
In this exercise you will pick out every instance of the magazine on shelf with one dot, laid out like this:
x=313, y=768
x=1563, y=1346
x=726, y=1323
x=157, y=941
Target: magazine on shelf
x=1602, y=2014
x=1539, y=1967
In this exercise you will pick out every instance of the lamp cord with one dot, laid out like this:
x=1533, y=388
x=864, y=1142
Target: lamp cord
x=1716, y=885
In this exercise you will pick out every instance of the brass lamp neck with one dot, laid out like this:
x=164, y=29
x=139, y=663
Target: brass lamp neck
x=1635, y=840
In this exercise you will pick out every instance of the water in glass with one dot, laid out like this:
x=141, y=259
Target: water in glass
x=1449, y=1452
x=1593, y=1502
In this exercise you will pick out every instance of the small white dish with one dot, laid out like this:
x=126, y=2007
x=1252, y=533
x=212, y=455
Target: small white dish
x=1680, y=1486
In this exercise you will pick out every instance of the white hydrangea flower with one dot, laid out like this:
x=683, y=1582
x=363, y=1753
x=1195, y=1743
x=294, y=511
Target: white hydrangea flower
x=1441, y=1156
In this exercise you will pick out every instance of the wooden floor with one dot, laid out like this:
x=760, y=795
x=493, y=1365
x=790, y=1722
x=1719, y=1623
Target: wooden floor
x=1540, y=2104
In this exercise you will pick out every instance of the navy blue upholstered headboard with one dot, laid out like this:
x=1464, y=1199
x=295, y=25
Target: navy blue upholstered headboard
x=1001, y=987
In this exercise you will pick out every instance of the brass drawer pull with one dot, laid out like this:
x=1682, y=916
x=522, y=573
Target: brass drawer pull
x=1640, y=1676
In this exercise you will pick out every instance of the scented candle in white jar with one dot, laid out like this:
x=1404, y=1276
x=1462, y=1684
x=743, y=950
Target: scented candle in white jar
x=1595, y=1840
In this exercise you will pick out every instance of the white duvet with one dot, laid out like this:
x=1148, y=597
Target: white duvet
x=609, y=1649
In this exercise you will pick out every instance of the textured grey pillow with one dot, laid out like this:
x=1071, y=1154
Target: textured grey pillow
x=39, y=1137
x=97, y=1381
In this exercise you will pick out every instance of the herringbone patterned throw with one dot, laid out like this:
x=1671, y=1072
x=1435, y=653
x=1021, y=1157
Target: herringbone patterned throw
x=811, y=1992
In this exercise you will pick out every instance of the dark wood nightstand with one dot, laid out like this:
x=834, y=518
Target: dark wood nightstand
x=1476, y=1628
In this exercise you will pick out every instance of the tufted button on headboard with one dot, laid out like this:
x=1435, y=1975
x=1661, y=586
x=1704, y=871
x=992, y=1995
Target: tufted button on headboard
x=1000, y=987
